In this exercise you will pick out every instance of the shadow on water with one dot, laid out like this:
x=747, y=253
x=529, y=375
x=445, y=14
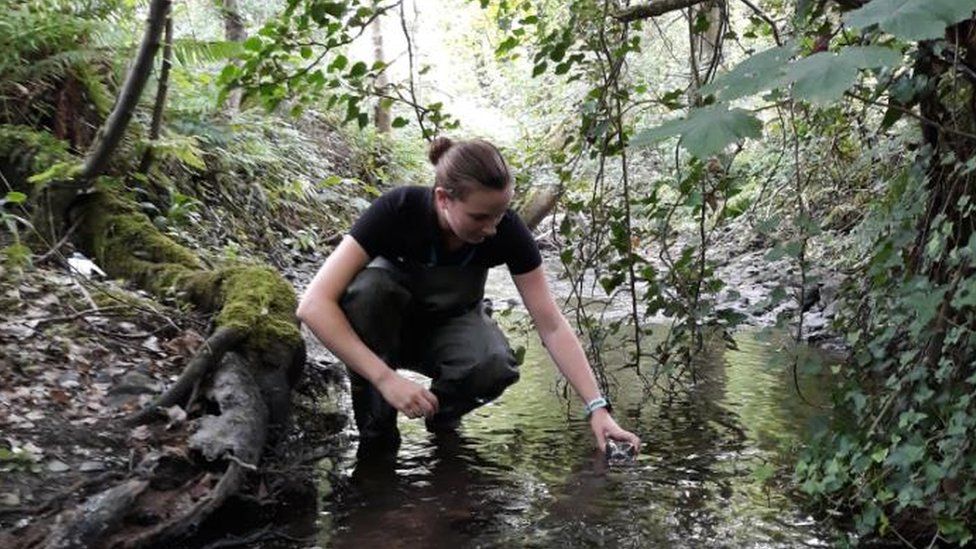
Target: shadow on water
x=523, y=471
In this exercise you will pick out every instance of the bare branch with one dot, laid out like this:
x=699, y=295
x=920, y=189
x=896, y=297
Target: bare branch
x=653, y=9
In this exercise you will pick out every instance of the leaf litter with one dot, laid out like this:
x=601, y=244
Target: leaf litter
x=63, y=367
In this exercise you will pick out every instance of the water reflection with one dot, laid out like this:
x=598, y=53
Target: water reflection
x=523, y=471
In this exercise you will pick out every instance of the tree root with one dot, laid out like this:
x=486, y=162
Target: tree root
x=102, y=513
x=209, y=355
x=150, y=512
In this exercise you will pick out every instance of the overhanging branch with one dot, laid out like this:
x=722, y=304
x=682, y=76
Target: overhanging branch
x=653, y=9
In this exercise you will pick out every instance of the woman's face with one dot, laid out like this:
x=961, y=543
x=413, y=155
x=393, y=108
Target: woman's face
x=476, y=216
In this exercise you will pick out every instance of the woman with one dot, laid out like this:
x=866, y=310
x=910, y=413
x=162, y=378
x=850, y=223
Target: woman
x=405, y=289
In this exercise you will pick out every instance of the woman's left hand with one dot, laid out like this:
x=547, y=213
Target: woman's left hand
x=605, y=427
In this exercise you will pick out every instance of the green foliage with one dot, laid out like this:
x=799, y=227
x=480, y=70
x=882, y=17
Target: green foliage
x=705, y=131
x=758, y=72
x=824, y=77
x=912, y=19
x=187, y=51
x=15, y=255
x=897, y=453
x=25, y=151
x=903, y=444
x=21, y=459
x=300, y=56
x=45, y=42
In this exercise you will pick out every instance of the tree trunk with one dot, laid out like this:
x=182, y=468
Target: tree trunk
x=381, y=114
x=234, y=31
x=110, y=134
x=161, y=89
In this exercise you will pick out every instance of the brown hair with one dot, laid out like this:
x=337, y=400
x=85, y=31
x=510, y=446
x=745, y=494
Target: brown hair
x=460, y=164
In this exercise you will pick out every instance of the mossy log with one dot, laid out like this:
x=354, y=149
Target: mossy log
x=247, y=370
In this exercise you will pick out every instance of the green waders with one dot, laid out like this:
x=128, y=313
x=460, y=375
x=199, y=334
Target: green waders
x=433, y=320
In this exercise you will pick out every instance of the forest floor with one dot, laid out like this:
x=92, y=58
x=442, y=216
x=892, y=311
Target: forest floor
x=79, y=356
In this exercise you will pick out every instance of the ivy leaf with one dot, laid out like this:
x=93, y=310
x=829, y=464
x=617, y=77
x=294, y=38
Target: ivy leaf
x=824, y=77
x=338, y=63
x=912, y=19
x=906, y=455
x=705, y=131
x=759, y=72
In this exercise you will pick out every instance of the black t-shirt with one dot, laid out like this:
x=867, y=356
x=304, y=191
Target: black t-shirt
x=402, y=226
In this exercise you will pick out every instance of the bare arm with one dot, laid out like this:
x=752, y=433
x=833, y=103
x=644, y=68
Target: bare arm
x=564, y=348
x=319, y=310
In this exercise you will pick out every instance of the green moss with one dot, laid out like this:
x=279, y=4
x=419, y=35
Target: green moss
x=258, y=300
x=253, y=299
x=127, y=245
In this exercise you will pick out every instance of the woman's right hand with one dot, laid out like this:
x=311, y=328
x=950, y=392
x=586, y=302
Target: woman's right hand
x=408, y=397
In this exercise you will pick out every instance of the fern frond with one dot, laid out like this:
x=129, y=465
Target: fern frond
x=188, y=51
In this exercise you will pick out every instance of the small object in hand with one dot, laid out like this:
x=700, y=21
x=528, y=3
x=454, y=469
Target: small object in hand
x=620, y=453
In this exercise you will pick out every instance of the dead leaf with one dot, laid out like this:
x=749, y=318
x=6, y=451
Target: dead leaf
x=10, y=499
x=17, y=330
x=185, y=344
x=59, y=396
x=201, y=488
x=140, y=433
x=176, y=416
x=90, y=466
x=152, y=344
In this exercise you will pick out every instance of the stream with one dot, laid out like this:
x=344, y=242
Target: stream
x=523, y=472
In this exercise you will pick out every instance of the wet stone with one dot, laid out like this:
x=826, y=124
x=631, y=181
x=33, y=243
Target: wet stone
x=131, y=387
x=91, y=466
x=135, y=383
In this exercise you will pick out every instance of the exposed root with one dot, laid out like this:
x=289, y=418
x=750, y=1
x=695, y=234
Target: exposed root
x=84, y=526
x=209, y=355
x=167, y=506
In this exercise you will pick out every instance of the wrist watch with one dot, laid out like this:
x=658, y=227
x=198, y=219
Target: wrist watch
x=596, y=404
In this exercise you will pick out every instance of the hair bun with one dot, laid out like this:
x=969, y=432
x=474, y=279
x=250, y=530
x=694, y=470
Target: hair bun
x=437, y=148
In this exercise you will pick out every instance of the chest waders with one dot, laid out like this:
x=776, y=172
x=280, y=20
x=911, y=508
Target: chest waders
x=431, y=319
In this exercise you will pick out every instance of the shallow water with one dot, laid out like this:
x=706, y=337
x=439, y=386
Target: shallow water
x=523, y=472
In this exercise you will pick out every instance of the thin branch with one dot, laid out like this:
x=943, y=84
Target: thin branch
x=111, y=133
x=413, y=92
x=769, y=21
x=162, y=89
x=912, y=114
